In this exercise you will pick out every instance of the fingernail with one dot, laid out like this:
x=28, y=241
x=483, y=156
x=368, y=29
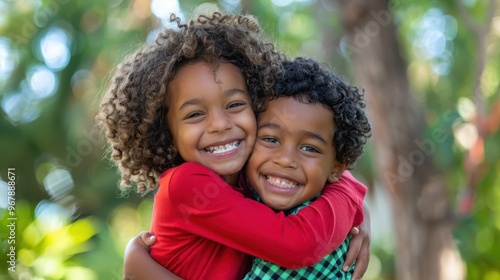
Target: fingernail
x=345, y=268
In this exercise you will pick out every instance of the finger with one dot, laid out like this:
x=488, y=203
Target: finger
x=148, y=238
x=361, y=263
x=353, y=252
x=354, y=230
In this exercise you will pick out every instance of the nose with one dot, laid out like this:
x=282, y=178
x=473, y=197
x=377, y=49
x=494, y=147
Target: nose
x=219, y=121
x=286, y=157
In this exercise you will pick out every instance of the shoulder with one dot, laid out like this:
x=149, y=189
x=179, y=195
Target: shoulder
x=188, y=177
x=186, y=169
x=350, y=186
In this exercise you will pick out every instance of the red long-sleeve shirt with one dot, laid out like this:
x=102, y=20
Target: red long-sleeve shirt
x=205, y=228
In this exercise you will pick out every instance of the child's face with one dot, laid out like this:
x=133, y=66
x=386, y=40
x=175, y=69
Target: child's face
x=293, y=157
x=210, y=117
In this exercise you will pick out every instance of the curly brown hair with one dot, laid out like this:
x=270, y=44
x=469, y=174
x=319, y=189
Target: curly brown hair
x=133, y=109
x=309, y=82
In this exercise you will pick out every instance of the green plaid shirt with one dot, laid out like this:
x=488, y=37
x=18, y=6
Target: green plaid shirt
x=330, y=267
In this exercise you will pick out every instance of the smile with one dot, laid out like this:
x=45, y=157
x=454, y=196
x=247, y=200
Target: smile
x=223, y=148
x=281, y=183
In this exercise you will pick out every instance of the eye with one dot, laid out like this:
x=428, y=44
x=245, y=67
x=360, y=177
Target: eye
x=271, y=140
x=236, y=104
x=193, y=115
x=309, y=149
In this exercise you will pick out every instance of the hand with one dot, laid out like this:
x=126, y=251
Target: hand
x=147, y=238
x=359, y=247
x=138, y=264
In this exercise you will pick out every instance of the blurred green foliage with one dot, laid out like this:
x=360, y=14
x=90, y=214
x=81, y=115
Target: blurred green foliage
x=55, y=60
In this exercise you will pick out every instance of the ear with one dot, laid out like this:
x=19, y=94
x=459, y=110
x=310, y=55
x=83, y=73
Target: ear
x=337, y=170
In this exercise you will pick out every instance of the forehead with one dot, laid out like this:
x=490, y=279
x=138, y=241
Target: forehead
x=295, y=116
x=201, y=78
x=220, y=71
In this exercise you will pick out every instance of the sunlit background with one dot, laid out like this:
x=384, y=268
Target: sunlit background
x=55, y=60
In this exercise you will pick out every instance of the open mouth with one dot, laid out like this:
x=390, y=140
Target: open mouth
x=223, y=148
x=281, y=183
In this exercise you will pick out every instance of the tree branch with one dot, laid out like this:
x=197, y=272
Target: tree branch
x=471, y=23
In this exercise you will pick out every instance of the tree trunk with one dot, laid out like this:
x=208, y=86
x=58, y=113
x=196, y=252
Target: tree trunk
x=421, y=209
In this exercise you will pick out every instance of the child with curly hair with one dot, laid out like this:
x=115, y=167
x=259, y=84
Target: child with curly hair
x=314, y=124
x=182, y=109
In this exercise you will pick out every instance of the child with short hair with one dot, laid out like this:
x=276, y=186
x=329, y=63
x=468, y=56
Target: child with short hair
x=184, y=104
x=314, y=128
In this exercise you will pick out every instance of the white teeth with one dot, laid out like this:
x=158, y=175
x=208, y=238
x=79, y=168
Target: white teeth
x=281, y=183
x=223, y=148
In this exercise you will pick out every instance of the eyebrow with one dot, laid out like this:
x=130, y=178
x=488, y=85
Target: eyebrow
x=228, y=93
x=270, y=125
x=316, y=136
x=310, y=134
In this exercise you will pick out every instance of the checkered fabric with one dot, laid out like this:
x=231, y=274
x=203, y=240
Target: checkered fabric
x=330, y=267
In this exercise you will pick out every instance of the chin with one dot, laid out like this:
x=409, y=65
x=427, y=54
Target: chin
x=228, y=170
x=281, y=208
x=276, y=206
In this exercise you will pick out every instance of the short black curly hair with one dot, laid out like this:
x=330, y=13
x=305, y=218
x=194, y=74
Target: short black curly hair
x=133, y=109
x=309, y=82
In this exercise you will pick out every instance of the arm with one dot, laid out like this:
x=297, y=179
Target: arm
x=359, y=248
x=138, y=264
x=226, y=217
x=137, y=258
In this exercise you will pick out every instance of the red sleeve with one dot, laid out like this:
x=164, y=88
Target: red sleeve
x=212, y=209
x=355, y=190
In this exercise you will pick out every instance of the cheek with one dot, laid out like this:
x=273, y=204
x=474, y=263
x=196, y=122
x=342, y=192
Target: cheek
x=260, y=154
x=187, y=136
x=317, y=173
x=256, y=159
x=250, y=122
x=252, y=164
x=251, y=173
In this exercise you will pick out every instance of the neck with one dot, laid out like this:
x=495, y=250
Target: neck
x=231, y=179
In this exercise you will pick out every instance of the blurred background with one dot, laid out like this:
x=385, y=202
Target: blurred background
x=430, y=70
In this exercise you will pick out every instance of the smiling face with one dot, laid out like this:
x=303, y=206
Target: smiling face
x=293, y=157
x=210, y=117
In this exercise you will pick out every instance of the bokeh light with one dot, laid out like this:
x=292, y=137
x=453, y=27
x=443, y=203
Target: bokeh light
x=3, y=194
x=58, y=183
x=466, y=109
x=51, y=215
x=8, y=58
x=55, y=48
x=434, y=35
x=42, y=81
x=466, y=135
x=19, y=107
x=163, y=8
x=23, y=105
x=231, y=5
x=284, y=3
